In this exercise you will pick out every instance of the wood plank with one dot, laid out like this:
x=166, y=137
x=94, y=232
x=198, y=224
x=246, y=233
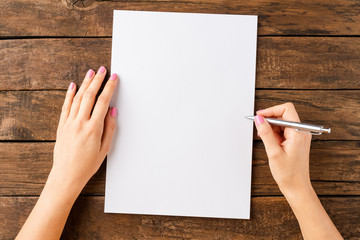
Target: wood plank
x=30, y=64
x=30, y=115
x=94, y=18
x=334, y=168
x=271, y=218
x=33, y=115
x=282, y=62
x=308, y=63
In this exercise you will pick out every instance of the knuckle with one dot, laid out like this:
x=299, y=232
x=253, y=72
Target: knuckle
x=265, y=131
x=94, y=127
x=89, y=94
x=91, y=132
x=289, y=105
x=77, y=127
x=274, y=154
x=103, y=99
x=76, y=99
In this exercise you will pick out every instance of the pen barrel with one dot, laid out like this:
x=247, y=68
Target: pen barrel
x=298, y=125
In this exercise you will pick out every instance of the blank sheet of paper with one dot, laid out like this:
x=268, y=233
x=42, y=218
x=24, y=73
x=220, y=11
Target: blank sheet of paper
x=182, y=145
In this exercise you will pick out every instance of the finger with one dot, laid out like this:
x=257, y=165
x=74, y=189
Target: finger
x=286, y=111
x=278, y=137
x=103, y=101
x=87, y=103
x=276, y=129
x=109, y=129
x=272, y=147
x=278, y=133
x=67, y=103
x=78, y=97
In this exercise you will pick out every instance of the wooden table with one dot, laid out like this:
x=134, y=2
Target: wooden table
x=308, y=53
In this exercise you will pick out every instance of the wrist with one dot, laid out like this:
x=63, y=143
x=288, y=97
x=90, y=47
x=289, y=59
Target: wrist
x=295, y=187
x=300, y=194
x=62, y=184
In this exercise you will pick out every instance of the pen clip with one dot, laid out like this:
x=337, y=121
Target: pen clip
x=312, y=133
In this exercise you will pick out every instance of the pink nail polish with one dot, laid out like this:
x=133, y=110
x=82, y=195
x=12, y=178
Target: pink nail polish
x=113, y=76
x=90, y=73
x=113, y=112
x=71, y=86
x=101, y=69
x=259, y=119
x=259, y=110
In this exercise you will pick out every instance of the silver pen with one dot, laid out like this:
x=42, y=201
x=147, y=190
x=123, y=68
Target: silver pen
x=298, y=126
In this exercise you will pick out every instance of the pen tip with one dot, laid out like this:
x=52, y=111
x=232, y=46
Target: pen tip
x=249, y=117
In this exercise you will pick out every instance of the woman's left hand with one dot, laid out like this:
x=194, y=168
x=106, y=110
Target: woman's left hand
x=85, y=129
x=83, y=139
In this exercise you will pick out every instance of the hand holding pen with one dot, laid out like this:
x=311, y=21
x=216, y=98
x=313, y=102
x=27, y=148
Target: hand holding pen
x=288, y=152
x=298, y=126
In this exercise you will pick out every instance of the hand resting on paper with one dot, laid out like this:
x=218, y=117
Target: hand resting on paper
x=288, y=154
x=84, y=136
x=83, y=139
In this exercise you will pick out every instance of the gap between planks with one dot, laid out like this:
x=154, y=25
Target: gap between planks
x=109, y=37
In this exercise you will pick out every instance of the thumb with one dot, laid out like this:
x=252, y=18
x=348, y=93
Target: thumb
x=268, y=137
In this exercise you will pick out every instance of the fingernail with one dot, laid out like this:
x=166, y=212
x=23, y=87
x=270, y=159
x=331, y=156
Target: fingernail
x=101, y=69
x=259, y=119
x=113, y=112
x=258, y=134
x=259, y=110
x=71, y=86
x=90, y=73
x=113, y=76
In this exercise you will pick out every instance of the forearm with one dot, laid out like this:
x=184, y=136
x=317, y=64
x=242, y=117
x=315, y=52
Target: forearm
x=50, y=213
x=312, y=217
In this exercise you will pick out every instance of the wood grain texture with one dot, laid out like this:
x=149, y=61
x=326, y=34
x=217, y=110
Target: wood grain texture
x=94, y=17
x=271, y=218
x=308, y=63
x=282, y=62
x=33, y=115
x=45, y=66
x=29, y=64
x=30, y=115
x=334, y=168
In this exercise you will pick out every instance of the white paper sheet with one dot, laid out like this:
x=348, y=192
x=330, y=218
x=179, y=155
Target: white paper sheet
x=182, y=145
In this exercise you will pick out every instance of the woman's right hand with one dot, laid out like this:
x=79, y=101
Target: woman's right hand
x=288, y=150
